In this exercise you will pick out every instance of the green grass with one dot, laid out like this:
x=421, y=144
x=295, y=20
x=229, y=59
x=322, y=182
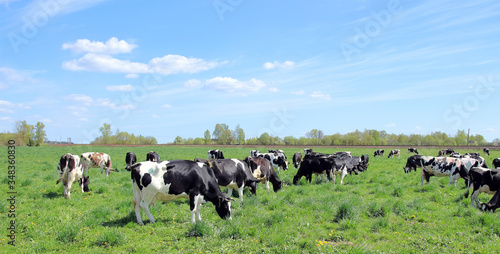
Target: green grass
x=380, y=210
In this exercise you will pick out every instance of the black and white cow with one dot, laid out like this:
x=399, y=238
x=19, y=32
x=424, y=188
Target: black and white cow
x=170, y=180
x=442, y=166
x=153, y=156
x=234, y=174
x=215, y=154
x=297, y=159
x=358, y=164
x=307, y=151
x=262, y=169
x=278, y=152
x=278, y=161
x=496, y=163
x=484, y=180
x=379, y=152
x=486, y=151
x=412, y=150
x=314, y=165
x=130, y=159
x=393, y=153
x=416, y=161
x=444, y=152
x=254, y=153
x=70, y=169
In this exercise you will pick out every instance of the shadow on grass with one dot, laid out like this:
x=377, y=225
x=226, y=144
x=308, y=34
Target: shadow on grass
x=122, y=222
x=52, y=195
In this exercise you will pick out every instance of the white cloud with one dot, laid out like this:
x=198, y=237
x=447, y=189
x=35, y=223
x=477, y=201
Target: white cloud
x=276, y=64
x=104, y=63
x=231, y=85
x=9, y=107
x=172, y=64
x=5, y=118
x=390, y=125
x=132, y=75
x=320, y=95
x=418, y=127
x=87, y=100
x=109, y=104
x=300, y=92
x=8, y=74
x=274, y=89
x=192, y=83
x=111, y=46
x=120, y=88
x=166, y=106
x=155, y=116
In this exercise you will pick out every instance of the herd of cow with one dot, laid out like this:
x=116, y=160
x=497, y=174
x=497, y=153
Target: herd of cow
x=201, y=180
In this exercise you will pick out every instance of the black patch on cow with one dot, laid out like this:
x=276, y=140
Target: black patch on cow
x=71, y=164
x=146, y=179
x=170, y=167
x=136, y=174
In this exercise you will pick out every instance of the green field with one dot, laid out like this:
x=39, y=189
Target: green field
x=381, y=210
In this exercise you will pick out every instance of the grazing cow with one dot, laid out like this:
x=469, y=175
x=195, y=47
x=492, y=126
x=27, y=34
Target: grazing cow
x=277, y=160
x=314, y=165
x=278, y=152
x=96, y=160
x=444, y=152
x=342, y=166
x=130, y=159
x=297, y=159
x=308, y=151
x=379, y=152
x=486, y=151
x=215, y=154
x=496, y=163
x=262, y=169
x=254, y=153
x=70, y=170
x=484, y=180
x=234, y=174
x=442, y=166
x=393, y=153
x=416, y=161
x=358, y=164
x=412, y=150
x=153, y=156
x=176, y=179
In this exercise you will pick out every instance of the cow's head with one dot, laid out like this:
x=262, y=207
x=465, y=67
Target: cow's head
x=223, y=207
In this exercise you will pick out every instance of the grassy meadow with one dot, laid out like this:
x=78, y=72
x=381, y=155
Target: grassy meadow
x=382, y=210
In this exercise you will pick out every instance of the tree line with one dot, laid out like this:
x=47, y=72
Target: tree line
x=222, y=135
x=26, y=134
x=35, y=135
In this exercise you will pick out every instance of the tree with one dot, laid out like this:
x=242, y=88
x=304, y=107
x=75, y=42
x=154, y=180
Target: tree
x=40, y=134
x=178, y=140
x=239, y=135
x=106, y=133
x=264, y=138
x=461, y=138
x=207, y=138
x=222, y=134
x=25, y=133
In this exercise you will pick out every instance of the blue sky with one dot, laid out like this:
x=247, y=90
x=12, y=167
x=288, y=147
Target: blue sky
x=169, y=68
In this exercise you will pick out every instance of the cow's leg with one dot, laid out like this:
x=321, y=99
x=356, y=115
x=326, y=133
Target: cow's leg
x=145, y=204
x=267, y=186
x=344, y=173
x=240, y=192
x=422, y=178
x=195, y=204
x=474, y=198
x=229, y=191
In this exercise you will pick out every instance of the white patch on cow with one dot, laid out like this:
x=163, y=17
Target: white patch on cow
x=257, y=172
x=200, y=164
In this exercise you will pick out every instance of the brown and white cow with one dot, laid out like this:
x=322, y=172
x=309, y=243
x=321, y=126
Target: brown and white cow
x=70, y=170
x=96, y=160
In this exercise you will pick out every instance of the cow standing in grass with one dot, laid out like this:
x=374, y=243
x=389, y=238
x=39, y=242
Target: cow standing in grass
x=96, y=160
x=70, y=170
x=170, y=180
